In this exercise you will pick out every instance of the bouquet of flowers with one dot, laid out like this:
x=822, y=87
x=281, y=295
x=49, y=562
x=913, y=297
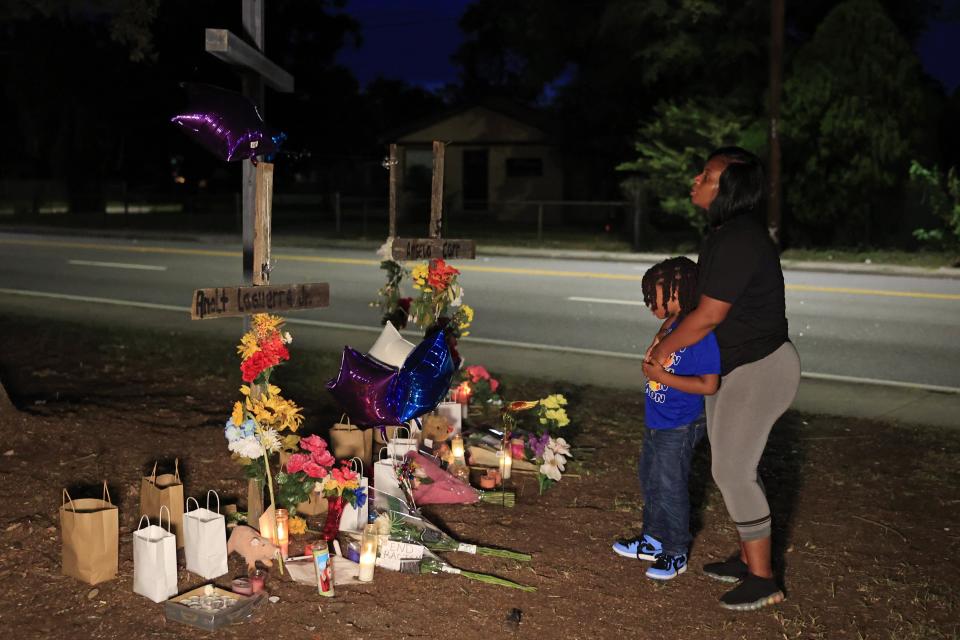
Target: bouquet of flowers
x=392, y=306
x=550, y=455
x=440, y=298
x=264, y=422
x=406, y=528
x=551, y=415
x=475, y=382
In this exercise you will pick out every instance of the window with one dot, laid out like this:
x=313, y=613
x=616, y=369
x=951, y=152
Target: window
x=524, y=167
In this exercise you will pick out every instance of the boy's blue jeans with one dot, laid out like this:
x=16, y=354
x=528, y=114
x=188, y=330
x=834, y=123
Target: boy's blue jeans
x=664, y=471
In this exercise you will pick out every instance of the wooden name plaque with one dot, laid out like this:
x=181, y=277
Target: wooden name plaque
x=430, y=248
x=222, y=302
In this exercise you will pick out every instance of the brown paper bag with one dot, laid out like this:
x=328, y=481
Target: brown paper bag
x=349, y=441
x=90, y=535
x=164, y=490
x=316, y=505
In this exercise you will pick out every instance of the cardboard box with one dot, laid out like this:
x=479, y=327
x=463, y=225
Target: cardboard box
x=210, y=620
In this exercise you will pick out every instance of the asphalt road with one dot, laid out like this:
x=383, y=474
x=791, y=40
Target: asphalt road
x=877, y=327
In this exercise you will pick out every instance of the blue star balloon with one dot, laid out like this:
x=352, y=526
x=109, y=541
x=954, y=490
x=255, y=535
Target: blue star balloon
x=362, y=388
x=423, y=380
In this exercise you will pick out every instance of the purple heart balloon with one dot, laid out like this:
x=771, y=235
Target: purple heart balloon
x=226, y=123
x=362, y=387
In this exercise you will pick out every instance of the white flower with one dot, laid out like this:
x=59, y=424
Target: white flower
x=270, y=440
x=286, y=338
x=248, y=447
x=554, y=458
x=549, y=468
x=385, y=252
x=559, y=446
x=458, y=300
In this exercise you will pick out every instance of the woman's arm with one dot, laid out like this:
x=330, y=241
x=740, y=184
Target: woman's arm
x=709, y=313
x=704, y=385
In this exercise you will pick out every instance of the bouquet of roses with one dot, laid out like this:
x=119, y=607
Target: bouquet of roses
x=314, y=469
x=476, y=383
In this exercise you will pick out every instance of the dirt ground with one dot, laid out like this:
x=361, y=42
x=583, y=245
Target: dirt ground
x=867, y=524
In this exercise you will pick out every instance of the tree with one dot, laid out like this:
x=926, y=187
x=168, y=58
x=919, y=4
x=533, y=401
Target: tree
x=854, y=107
x=673, y=146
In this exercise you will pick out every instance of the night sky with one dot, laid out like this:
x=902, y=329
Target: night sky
x=414, y=42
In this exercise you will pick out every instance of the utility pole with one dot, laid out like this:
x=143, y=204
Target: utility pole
x=774, y=206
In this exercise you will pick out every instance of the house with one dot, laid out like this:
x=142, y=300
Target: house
x=499, y=156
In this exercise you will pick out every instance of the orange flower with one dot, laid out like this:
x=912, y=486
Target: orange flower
x=522, y=405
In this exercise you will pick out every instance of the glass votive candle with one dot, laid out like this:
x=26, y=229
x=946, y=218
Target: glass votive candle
x=257, y=581
x=283, y=532
x=242, y=586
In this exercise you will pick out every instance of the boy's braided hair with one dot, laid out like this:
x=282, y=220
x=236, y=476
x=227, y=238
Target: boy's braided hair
x=678, y=276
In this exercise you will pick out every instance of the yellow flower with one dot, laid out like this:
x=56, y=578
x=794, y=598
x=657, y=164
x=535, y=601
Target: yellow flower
x=237, y=415
x=273, y=389
x=248, y=346
x=297, y=525
x=245, y=390
x=550, y=403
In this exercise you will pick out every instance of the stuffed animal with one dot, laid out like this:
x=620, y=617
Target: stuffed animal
x=248, y=542
x=436, y=431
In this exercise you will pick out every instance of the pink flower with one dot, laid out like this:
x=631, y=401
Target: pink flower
x=347, y=473
x=494, y=383
x=477, y=372
x=323, y=458
x=313, y=443
x=296, y=462
x=314, y=470
x=337, y=475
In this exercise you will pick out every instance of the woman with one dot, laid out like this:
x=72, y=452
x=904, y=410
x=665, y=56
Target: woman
x=741, y=300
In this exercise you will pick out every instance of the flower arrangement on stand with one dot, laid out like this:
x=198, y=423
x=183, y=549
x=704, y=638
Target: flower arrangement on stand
x=264, y=422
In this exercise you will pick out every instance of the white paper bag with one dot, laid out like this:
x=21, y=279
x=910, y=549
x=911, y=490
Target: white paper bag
x=353, y=518
x=155, y=559
x=205, y=539
x=398, y=447
x=385, y=482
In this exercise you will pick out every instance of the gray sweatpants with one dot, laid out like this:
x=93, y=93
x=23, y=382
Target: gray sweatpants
x=739, y=419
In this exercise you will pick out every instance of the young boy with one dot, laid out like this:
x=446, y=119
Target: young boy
x=674, y=423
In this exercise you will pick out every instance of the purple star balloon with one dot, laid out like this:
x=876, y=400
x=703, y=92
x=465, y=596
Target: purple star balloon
x=226, y=123
x=362, y=387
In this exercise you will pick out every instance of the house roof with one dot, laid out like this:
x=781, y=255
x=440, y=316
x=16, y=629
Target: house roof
x=524, y=115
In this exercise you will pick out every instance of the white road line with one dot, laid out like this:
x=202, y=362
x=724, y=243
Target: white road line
x=117, y=265
x=490, y=341
x=632, y=303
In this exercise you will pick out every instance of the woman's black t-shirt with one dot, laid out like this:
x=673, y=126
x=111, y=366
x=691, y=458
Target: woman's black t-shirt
x=739, y=264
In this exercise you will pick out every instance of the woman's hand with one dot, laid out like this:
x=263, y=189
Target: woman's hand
x=653, y=371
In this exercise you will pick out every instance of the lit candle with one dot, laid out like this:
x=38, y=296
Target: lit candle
x=464, y=392
x=283, y=538
x=368, y=553
x=268, y=526
x=456, y=446
x=505, y=463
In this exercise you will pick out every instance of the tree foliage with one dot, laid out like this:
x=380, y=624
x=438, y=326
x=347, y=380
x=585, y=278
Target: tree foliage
x=941, y=193
x=673, y=145
x=852, y=104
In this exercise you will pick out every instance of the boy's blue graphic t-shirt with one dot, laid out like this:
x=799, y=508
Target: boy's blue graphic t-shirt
x=667, y=408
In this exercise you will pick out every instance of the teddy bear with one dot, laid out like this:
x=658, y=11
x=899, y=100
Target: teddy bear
x=435, y=432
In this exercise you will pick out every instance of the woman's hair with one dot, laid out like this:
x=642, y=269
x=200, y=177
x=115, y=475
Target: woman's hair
x=742, y=186
x=677, y=276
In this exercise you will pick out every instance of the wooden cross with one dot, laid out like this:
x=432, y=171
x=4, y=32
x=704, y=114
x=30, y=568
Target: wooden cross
x=433, y=246
x=257, y=295
x=255, y=69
